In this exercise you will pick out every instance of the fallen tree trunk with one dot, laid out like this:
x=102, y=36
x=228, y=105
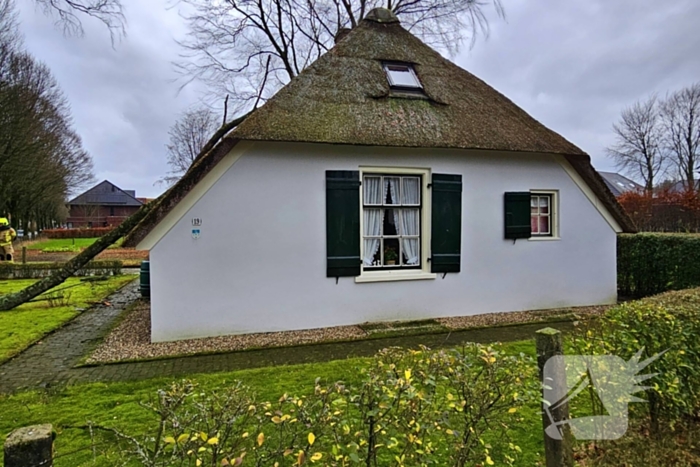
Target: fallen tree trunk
x=10, y=301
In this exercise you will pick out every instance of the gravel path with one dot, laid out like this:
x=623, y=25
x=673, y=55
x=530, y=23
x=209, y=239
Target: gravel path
x=131, y=339
x=514, y=317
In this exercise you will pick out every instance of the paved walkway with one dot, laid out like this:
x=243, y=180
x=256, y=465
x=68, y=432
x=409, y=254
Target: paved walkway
x=53, y=362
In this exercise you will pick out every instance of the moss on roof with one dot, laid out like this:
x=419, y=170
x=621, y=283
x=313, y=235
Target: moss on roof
x=345, y=98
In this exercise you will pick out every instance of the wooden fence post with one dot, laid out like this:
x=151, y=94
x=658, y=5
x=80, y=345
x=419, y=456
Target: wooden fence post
x=558, y=452
x=31, y=446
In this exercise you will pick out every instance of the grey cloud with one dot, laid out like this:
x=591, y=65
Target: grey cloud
x=123, y=98
x=572, y=64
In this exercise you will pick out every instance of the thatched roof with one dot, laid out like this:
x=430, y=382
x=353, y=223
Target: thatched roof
x=345, y=98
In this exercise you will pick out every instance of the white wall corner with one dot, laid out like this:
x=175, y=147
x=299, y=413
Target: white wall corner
x=586, y=189
x=200, y=189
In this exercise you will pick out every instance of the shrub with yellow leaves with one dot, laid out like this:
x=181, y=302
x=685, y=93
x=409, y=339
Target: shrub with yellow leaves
x=412, y=408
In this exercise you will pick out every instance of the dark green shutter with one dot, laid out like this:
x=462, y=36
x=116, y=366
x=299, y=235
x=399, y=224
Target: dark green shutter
x=343, y=223
x=517, y=213
x=446, y=238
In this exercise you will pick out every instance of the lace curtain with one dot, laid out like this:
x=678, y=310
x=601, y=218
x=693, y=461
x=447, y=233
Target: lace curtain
x=373, y=218
x=407, y=221
x=410, y=221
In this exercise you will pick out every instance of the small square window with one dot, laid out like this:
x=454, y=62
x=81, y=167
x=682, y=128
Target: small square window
x=402, y=76
x=542, y=215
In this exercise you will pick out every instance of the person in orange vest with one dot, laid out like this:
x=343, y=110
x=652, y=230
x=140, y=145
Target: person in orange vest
x=7, y=235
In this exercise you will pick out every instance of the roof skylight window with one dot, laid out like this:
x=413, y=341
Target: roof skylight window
x=402, y=76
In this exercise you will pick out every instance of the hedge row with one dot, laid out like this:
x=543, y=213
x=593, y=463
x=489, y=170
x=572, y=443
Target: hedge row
x=666, y=326
x=39, y=270
x=648, y=264
x=76, y=233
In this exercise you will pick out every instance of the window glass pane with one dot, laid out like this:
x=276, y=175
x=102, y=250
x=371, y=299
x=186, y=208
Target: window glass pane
x=544, y=225
x=401, y=75
x=372, y=254
x=391, y=222
x=410, y=222
x=392, y=190
x=411, y=190
x=391, y=252
x=373, y=190
x=373, y=220
x=533, y=204
x=410, y=251
x=544, y=204
x=534, y=224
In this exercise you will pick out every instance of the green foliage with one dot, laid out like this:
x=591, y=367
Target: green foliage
x=56, y=244
x=410, y=408
x=667, y=323
x=39, y=270
x=86, y=233
x=28, y=323
x=118, y=405
x=61, y=249
x=390, y=254
x=648, y=264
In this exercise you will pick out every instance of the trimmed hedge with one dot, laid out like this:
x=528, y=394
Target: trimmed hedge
x=39, y=270
x=648, y=263
x=77, y=233
x=667, y=325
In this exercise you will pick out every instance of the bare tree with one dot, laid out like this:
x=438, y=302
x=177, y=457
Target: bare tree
x=680, y=113
x=67, y=12
x=187, y=139
x=12, y=300
x=638, y=146
x=41, y=156
x=249, y=49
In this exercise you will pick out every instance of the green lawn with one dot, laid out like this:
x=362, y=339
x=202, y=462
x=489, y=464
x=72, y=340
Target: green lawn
x=66, y=244
x=28, y=323
x=117, y=405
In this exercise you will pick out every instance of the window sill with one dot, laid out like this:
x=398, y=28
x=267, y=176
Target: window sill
x=390, y=276
x=543, y=239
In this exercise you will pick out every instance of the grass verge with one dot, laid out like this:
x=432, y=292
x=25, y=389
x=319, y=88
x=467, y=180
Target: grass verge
x=117, y=405
x=21, y=327
x=64, y=244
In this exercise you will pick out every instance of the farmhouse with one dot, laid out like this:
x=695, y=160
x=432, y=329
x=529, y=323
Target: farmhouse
x=103, y=205
x=382, y=183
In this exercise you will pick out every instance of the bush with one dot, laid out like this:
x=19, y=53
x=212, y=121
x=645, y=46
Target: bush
x=77, y=233
x=412, y=408
x=665, y=211
x=667, y=323
x=648, y=264
x=39, y=270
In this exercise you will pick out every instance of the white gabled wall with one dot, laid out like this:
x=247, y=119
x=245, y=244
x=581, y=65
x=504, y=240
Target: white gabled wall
x=260, y=262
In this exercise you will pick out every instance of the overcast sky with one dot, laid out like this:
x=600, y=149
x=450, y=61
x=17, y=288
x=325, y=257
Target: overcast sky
x=573, y=65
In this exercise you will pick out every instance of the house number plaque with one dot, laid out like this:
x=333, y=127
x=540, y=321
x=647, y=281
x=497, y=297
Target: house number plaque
x=196, y=222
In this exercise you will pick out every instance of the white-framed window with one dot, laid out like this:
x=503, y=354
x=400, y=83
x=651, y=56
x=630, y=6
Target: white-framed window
x=392, y=205
x=401, y=75
x=543, y=214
